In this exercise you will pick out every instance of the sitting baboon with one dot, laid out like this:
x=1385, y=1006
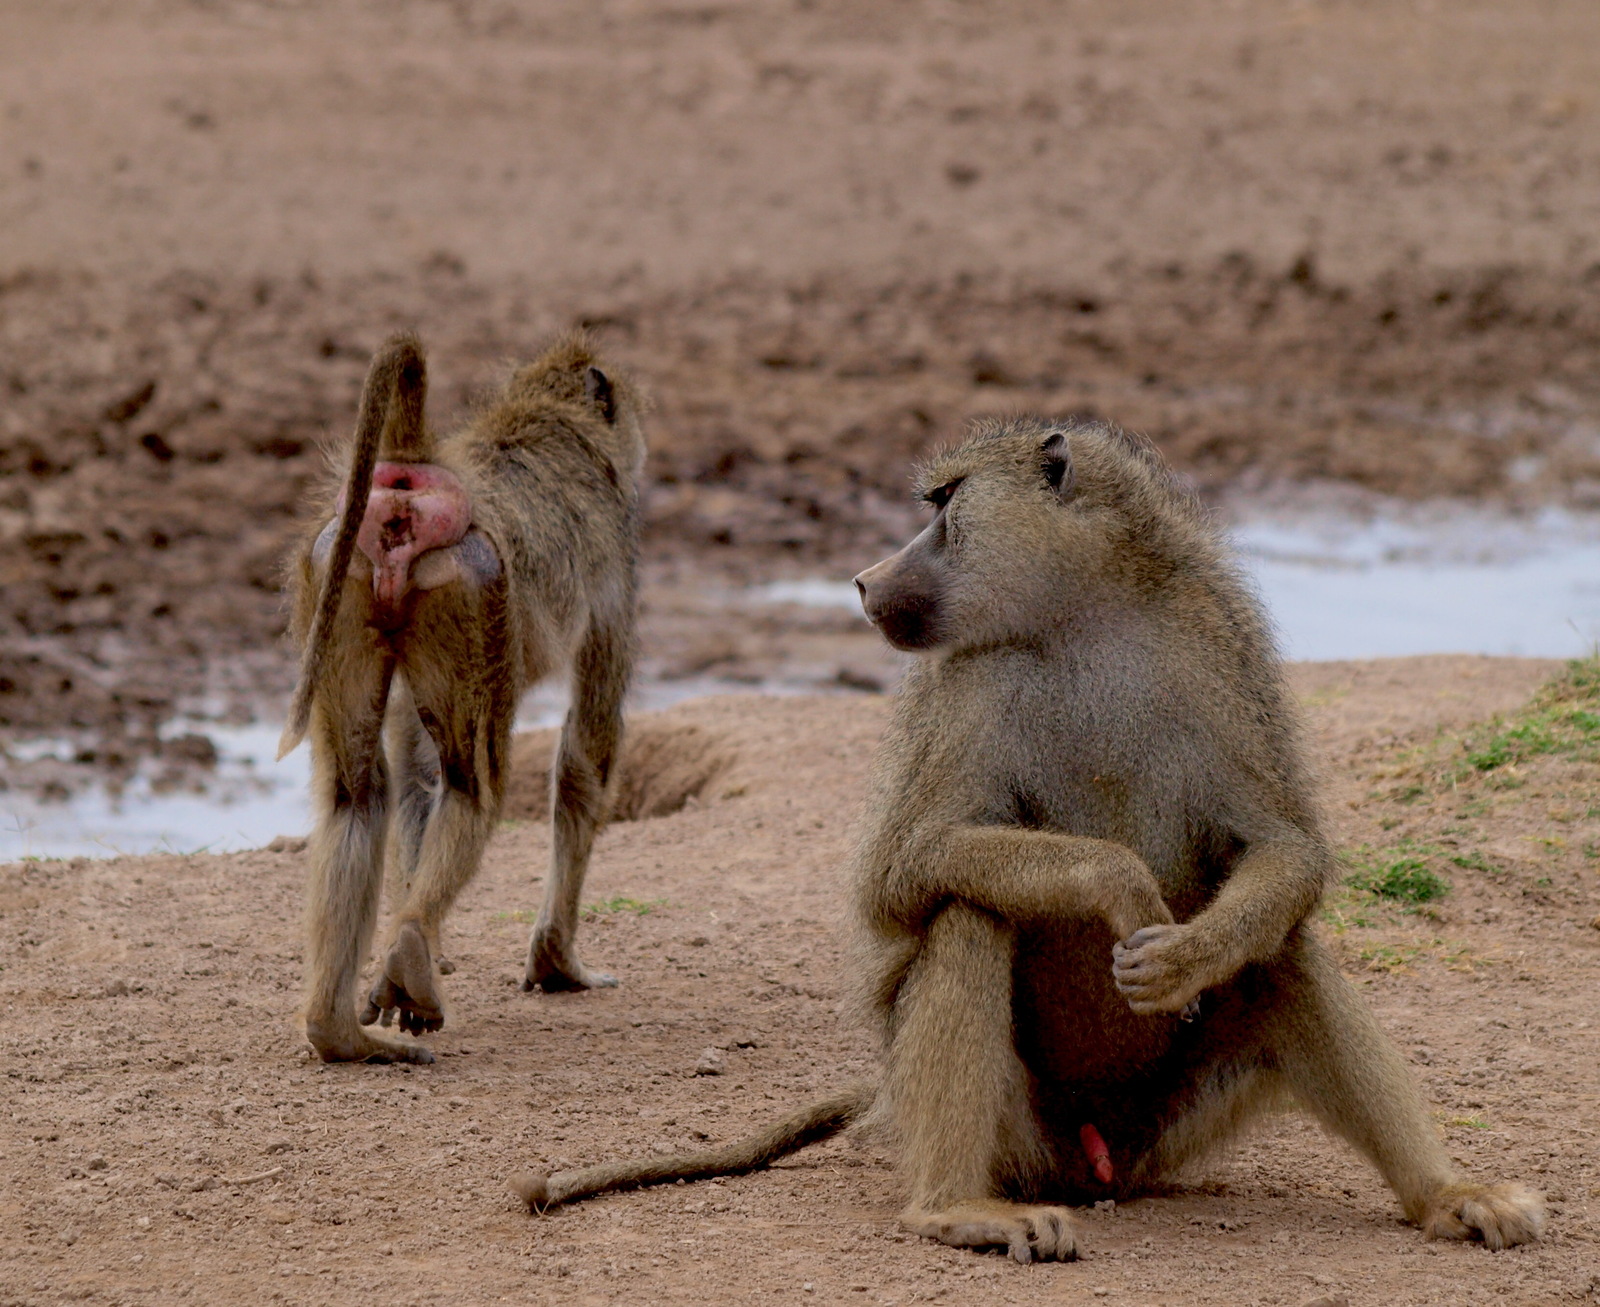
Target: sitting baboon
x=456, y=577
x=1087, y=872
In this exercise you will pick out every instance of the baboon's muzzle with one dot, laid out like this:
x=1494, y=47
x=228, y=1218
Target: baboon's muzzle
x=901, y=597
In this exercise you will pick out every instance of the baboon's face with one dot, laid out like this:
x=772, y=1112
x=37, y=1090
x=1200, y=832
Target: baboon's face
x=989, y=567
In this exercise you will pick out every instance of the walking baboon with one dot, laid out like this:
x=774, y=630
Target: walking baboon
x=1090, y=821
x=457, y=573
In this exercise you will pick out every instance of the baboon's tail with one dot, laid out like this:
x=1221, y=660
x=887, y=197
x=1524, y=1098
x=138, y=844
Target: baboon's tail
x=818, y=1121
x=391, y=417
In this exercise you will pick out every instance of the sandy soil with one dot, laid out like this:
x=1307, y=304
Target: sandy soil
x=1331, y=242
x=167, y=1136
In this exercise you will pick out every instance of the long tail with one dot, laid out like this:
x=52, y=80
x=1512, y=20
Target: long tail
x=809, y=1125
x=391, y=418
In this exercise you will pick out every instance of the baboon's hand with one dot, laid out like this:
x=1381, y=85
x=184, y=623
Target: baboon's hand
x=1160, y=968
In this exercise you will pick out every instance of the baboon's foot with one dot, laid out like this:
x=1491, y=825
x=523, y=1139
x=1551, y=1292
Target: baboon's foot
x=1028, y=1234
x=1501, y=1215
x=406, y=987
x=555, y=968
x=357, y=1045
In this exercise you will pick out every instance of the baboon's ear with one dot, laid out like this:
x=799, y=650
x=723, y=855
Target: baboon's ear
x=1057, y=464
x=598, y=391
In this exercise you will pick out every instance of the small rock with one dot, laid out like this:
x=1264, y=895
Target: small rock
x=287, y=844
x=855, y=678
x=143, y=1222
x=1329, y=1300
x=1106, y=1205
x=193, y=748
x=77, y=1173
x=277, y=1146
x=98, y=1163
x=69, y=1236
x=808, y=1287
x=711, y=1063
x=1100, y=1291
x=699, y=941
x=117, y=988
x=457, y=1102
x=201, y=1186
x=746, y=1041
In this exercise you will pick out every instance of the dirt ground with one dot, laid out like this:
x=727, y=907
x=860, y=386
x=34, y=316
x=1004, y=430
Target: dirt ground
x=167, y=1136
x=1325, y=242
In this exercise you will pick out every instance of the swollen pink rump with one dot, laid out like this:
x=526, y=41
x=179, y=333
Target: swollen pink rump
x=413, y=507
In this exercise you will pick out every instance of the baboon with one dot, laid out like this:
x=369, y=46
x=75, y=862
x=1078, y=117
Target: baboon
x=1088, y=867
x=450, y=575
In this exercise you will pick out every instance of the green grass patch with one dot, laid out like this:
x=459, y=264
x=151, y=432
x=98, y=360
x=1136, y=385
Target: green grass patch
x=1389, y=957
x=621, y=903
x=1474, y=861
x=1403, y=874
x=590, y=911
x=1562, y=718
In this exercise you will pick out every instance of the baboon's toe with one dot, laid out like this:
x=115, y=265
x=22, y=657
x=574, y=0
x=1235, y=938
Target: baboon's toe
x=405, y=988
x=360, y=1046
x=1500, y=1215
x=558, y=971
x=1028, y=1234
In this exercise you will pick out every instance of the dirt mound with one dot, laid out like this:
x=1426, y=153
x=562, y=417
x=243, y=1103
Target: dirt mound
x=665, y=765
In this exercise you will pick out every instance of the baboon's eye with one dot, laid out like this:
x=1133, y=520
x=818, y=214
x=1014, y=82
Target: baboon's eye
x=939, y=496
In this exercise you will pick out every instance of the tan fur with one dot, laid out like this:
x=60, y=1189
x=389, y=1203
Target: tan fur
x=544, y=579
x=1089, y=821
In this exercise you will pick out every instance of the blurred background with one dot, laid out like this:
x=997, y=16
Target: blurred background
x=1340, y=261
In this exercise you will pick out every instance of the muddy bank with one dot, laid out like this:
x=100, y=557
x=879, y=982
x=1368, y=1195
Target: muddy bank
x=154, y=464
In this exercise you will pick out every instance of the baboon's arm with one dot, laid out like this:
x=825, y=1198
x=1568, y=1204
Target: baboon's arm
x=1273, y=887
x=1030, y=875
x=809, y=1125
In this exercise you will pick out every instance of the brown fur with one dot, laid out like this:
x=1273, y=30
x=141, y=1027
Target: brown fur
x=1091, y=820
x=544, y=579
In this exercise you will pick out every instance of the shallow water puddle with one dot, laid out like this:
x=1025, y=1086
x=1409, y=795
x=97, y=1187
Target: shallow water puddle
x=1434, y=580
x=1462, y=582
x=251, y=797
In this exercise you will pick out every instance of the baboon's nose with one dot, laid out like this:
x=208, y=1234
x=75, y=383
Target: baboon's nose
x=861, y=589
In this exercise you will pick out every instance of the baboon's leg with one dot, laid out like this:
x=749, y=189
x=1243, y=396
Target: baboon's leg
x=350, y=792
x=473, y=735
x=414, y=766
x=1344, y=1068
x=1222, y=1100
x=957, y=1093
x=591, y=737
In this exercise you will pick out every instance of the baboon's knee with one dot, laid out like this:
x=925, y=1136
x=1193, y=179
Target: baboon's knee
x=579, y=791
